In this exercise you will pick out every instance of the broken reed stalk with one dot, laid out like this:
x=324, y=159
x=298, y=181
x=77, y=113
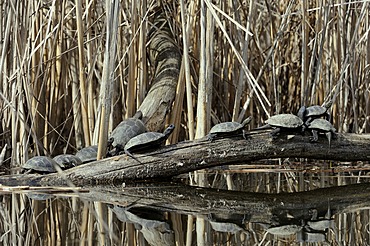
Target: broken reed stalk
x=81, y=72
x=186, y=67
x=112, y=9
x=108, y=75
x=133, y=69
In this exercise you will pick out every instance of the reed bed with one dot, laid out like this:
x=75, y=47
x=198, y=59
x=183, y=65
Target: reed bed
x=63, y=86
x=240, y=59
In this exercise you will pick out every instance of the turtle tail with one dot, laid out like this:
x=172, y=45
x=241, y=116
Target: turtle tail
x=132, y=156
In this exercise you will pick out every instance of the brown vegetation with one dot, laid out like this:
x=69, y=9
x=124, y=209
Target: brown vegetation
x=256, y=58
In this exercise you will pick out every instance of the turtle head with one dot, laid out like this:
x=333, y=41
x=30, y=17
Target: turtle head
x=110, y=141
x=301, y=112
x=138, y=115
x=328, y=104
x=247, y=121
x=169, y=130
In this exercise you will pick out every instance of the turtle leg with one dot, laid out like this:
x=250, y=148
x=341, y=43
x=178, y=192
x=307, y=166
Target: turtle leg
x=307, y=123
x=109, y=146
x=274, y=133
x=315, y=136
x=114, y=152
x=327, y=116
x=211, y=137
x=119, y=149
x=267, y=126
x=244, y=134
x=132, y=156
x=329, y=136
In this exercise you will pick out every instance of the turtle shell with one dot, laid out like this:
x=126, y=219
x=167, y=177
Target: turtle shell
x=41, y=164
x=285, y=121
x=66, y=161
x=226, y=127
x=148, y=140
x=284, y=230
x=321, y=225
x=229, y=127
x=88, y=154
x=39, y=196
x=321, y=125
x=126, y=130
x=317, y=110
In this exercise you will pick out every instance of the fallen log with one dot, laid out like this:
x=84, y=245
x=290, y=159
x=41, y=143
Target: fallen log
x=187, y=156
x=166, y=58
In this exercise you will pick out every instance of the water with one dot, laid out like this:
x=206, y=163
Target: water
x=267, y=212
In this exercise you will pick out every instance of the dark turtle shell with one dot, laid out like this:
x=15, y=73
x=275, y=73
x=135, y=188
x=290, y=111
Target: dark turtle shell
x=230, y=127
x=317, y=110
x=321, y=125
x=126, y=130
x=285, y=121
x=284, y=230
x=66, y=161
x=39, y=196
x=148, y=140
x=88, y=154
x=40, y=164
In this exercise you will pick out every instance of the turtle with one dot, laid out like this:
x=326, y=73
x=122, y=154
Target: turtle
x=88, y=154
x=124, y=131
x=228, y=129
x=284, y=230
x=40, y=164
x=147, y=140
x=321, y=126
x=66, y=161
x=320, y=225
x=39, y=196
x=317, y=111
x=283, y=122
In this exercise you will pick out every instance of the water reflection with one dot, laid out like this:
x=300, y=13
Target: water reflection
x=173, y=214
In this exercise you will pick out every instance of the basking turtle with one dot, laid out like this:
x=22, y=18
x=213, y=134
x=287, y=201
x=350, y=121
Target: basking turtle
x=228, y=129
x=317, y=111
x=88, y=154
x=66, y=161
x=147, y=140
x=321, y=126
x=40, y=164
x=283, y=122
x=126, y=130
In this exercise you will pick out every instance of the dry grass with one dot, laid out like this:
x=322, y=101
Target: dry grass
x=262, y=58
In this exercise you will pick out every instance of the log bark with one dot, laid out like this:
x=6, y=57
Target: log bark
x=187, y=156
x=166, y=58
